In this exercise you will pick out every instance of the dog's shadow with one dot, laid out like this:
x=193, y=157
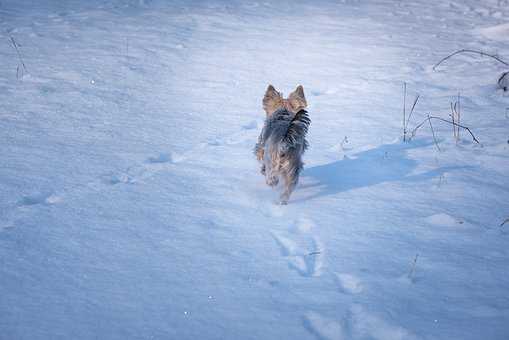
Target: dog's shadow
x=386, y=163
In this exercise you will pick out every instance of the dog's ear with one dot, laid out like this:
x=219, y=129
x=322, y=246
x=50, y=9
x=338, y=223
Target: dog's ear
x=297, y=99
x=272, y=100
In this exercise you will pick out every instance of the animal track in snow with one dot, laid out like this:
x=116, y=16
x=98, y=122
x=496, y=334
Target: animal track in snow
x=357, y=323
x=138, y=172
x=286, y=245
x=118, y=177
x=365, y=325
x=446, y=221
x=275, y=210
x=160, y=158
x=318, y=93
x=8, y=217
x=157, y=162
x=349, y=284
x=323, y=328
x=248, y=133
x=39, y=198
x=301, y=248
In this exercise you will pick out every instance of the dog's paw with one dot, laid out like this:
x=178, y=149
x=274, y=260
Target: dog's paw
x=272, y=181
x=284, y=198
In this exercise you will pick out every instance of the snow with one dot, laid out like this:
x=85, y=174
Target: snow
x=350, y=283
x=497, y=32
x=131, y=205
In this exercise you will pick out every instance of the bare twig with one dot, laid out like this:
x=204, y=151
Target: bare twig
x=343, y=142
x=433, y=132
x=406, y=119
x=412, y=110
x=453, y=117
x=458, y=117
x=506, y=220
x=503, y=81
x=404, y=111
x=470, y=51
x=412, y=269
x=414, y=131
x=15, y=45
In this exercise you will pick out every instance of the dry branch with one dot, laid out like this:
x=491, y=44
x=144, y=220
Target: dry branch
x=429, y=118
x=19, y=54
x=412, y=269
x=503, y=81
x=433, y=132
x=453, y=117
x=406, y=119
x=470, y=51
x=412, y=110
x=404, y=112
x=458, y=116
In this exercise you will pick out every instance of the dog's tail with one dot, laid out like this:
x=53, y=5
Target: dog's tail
x=296, y=133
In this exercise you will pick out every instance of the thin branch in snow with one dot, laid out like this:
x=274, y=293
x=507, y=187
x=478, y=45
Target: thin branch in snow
x=411, y=112
x=414, y=131
x=503, y=81
x=413, y=106
x=506, y=220
x=453, y=117
x=446, y=121
x=412, y=269
x=470, y=51
x=15, y=45
x=458, y=116
x=406, y=119
x=343, y=142
x=404, y=112
x=433, y=132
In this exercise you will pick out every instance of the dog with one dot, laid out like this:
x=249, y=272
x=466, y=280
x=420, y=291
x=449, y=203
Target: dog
x=282, y=141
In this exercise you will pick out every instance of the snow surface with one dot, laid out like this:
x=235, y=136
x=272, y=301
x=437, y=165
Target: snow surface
x=497, y=32
x=131, y=206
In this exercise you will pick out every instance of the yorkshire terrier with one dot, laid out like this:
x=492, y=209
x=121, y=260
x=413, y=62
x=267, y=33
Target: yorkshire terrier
x=282, y=141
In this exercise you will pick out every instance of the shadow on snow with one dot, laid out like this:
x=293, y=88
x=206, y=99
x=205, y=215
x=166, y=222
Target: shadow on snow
x=386, y=163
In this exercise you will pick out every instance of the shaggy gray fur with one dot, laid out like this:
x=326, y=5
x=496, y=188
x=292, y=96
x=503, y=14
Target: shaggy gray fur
x=282, y=143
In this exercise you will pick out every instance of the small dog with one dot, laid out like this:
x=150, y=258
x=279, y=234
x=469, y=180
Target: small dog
x=283, y=139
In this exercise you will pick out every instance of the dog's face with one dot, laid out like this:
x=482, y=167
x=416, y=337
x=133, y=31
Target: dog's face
x=273, y=100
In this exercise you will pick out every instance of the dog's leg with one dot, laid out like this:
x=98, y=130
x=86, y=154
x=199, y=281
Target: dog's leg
x=260, y=157
x=259, y=152
x=270, y=169
x=262, y=169
x=291, y=178
x=271, y=178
